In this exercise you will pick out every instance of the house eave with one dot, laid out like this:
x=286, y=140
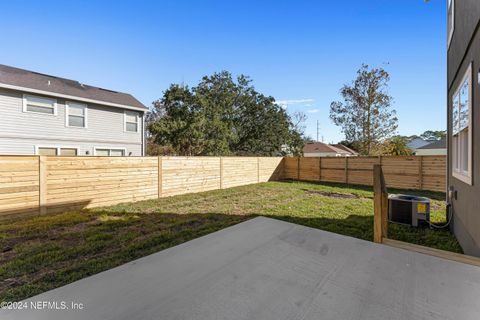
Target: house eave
x=65, y=96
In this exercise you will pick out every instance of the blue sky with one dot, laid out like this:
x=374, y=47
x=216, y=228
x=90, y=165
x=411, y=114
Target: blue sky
x=300, y=52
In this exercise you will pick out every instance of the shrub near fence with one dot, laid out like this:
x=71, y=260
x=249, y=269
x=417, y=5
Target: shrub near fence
x=415, y=172
x=50, y=184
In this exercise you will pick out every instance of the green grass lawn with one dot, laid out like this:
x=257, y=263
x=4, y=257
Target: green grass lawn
x=44, y=252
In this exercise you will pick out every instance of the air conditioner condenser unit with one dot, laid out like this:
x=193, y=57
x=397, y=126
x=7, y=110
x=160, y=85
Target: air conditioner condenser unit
x=409, y=210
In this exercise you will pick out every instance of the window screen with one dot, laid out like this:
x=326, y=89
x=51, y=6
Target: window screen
x=39, y=105
x=117, y=153
x=77, y=115
x=131, y=121
x=461, y=131
x=110, y=152
x=102, y=152
x=68, y=152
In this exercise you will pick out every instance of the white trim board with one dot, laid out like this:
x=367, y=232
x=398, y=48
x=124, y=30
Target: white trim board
x=465, y=177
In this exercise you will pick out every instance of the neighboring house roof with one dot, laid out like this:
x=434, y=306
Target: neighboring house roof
x=313, y=147
x=417, y=143
x=320, y=147
x=24, y=80
x=439, y=144
x=345, y=148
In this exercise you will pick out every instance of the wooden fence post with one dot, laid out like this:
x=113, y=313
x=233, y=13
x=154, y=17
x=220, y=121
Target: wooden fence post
x=420, y=173
x=258, y=169
x=380, y=205
x=319, y=168
x=221, y=172
x=160, y=176
x=298, y=168
x=42, y=184
x=346, y=170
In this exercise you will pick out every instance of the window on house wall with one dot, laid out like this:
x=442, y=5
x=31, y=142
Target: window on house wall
x=76, y=115
x=56, y=151
x=131, y=121
x=451, y=19
x=44, y=151
x=461, y=129
x=104, y=152
x=39, y=105
x=68, y=152
x=117, y=152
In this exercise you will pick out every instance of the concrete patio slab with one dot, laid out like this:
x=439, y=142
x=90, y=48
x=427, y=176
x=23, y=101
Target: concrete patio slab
x=270, y=269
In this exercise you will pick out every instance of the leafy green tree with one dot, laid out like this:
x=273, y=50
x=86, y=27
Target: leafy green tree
x=178, y=121
x=433, y=135
x=222, y=116
x=397, y=146
x=366, y=113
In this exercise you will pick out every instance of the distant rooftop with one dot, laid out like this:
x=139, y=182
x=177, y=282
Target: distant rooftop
x=439, y=144
x=314, y=147
x=25, y=79
x=344, y=148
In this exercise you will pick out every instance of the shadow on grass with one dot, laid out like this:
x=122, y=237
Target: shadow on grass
x=54, y=256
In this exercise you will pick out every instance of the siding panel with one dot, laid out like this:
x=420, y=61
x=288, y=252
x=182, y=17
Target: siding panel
x=21, y=131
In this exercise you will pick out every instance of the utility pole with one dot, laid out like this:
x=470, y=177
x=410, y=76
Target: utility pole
x=318, y=130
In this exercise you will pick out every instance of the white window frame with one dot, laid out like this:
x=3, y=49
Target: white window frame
x=125, y=121
x=85, y=116
x=464, y=176
x=24, y=107
x=37, y=147
x=450, y=3
x=109, y=150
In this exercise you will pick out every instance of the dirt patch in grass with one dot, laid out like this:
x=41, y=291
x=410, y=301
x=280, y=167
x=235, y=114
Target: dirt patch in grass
x=10, y=283
x=332, y=194
x=106, y=218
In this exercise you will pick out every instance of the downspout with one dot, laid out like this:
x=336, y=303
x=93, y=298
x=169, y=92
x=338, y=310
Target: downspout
x=143, y=135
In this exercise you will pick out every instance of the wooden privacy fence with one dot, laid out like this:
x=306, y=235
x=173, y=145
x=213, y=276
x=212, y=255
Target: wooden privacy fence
x=41, y=184
x=405, y=172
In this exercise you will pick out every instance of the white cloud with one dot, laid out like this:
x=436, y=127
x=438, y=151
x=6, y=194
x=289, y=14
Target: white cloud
x=285, y=103
x=313, y=110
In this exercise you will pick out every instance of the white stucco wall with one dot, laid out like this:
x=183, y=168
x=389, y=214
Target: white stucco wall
x=322, y=154
x=430, y=152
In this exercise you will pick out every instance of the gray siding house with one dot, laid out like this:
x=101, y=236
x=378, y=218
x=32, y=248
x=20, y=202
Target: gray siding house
x=463, y=171
x=47, y=115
